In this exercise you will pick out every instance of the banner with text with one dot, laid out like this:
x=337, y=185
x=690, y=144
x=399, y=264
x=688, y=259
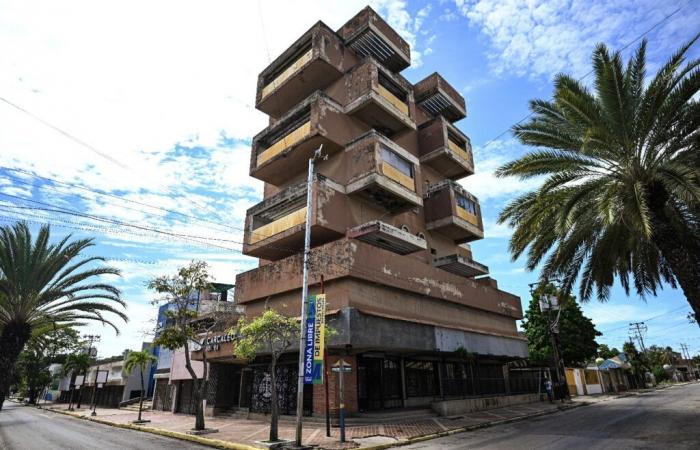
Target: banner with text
x=315, y=334
x=319, y=338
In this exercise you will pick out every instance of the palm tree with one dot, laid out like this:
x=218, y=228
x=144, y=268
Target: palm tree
x=621, y=169
x=43, y=283
x=75, y=364
x=139, y=360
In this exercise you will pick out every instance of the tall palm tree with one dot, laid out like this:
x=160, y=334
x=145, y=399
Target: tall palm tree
x=76, y=363
x=43, y=283
x=621, y=168
x=139, y=360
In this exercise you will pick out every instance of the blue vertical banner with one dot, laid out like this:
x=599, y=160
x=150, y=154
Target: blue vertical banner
x=319, y=338
x=310, y=330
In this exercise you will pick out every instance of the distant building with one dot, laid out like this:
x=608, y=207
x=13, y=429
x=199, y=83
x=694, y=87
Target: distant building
x=169, y=374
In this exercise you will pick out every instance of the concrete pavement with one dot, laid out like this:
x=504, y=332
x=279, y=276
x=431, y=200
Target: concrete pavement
x=663, y=419
x=28, y=428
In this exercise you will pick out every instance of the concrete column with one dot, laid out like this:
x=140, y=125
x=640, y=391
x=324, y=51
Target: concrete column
x=506, y=378
x=176, y=393
x=402, y=363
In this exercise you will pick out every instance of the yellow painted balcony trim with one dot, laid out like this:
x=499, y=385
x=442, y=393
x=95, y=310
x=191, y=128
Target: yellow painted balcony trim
x=288, y=72
x=466, y=215
x=404, y=180
x=290, y=139
x=456, y=148
x=391, y=98
x=278, y=226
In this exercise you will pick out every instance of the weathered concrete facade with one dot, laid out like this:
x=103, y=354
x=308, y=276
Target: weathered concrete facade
x=390, y=224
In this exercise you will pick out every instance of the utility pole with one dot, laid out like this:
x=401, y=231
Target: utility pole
x=91, y=338
x=686, y=355
x=547, y=304
x=638, y=328
x=305, y=293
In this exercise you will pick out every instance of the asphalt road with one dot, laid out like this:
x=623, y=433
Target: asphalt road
x=665, y=419
x=27, y=428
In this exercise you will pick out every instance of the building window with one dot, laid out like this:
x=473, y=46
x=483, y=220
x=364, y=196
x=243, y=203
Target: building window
x=397, y=162
x=466, y=204
x=421, y=379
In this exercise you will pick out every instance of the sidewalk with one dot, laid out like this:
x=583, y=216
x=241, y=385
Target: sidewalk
x=245, y=431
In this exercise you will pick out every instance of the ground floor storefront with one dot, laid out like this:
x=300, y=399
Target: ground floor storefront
x=393, y=364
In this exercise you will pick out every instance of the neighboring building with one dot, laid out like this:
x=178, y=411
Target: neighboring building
x=169, y=375
x=120, y=386
x=391, y=228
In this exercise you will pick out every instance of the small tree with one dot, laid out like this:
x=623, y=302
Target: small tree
x=139, y=360
x=576, y=332
x=46, y=346
x=75, y=364
x=188, y=329
x=270, y=333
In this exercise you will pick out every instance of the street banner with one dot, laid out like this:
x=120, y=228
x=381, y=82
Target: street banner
x=310, y=330
x=319, y=338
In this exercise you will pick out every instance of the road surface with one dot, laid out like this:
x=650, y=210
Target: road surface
x=28, y=428
x=664, y=419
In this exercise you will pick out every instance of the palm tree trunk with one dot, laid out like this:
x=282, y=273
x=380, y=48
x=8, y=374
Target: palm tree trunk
x=141, y=399
x=274, y=410
x=12, y=339
x=683, y=259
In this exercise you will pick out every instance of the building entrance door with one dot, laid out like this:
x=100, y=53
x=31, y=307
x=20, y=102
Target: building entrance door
x=379, y=383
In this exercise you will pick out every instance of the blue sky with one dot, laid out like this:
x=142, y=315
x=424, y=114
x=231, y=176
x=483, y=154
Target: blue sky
x=163, y=94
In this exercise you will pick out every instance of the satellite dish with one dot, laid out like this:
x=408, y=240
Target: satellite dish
x=599, y=361
x=668, y=367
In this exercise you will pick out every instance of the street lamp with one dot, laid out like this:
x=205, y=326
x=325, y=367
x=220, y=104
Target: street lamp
x=549, y=303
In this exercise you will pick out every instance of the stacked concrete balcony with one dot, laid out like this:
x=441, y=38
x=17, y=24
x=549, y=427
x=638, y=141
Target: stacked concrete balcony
x=275, y=227
x=367, y=34
x=282, y=150
x=461, y=263
x=313, y=62
x=446, y=149
x=374, y=175
x=436, y=97
x=379, y=98
x=453, y=212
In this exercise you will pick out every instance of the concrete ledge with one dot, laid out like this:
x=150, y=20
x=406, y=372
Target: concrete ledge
x=461, y=406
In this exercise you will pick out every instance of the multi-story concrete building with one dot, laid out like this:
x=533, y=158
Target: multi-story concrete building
x=416, y=316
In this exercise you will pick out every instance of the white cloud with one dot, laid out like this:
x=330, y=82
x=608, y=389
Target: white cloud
x=540, y=38
x=166, y=89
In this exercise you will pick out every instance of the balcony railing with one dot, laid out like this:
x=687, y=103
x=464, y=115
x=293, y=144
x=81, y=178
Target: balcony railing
x=313, y=62
x=383, y=173
x=445, y=149
x=436, y=97
x=453, y=212
x=293, y=219
x=288, y=72
x=369, y=35
x=379, y=98
x=388, y=237
x=293, y=138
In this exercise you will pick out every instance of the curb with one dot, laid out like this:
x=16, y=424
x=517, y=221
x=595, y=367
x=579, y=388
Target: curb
x=428, y=437
x=215, y=443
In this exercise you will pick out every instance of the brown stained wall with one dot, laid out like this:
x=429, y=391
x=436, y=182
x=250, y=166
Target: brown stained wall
x=439, y=205
x=384, y=301
x=431, y=137
x=344, y=258
x=368, y=16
